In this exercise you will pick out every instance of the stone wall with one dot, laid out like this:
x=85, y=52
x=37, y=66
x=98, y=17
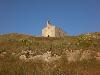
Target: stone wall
x=59, y=32
x=52, y=31
x=48, y=31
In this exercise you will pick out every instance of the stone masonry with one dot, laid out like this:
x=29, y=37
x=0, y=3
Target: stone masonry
x=52, y=31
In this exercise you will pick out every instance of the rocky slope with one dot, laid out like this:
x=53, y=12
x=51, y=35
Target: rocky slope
x=22, y=54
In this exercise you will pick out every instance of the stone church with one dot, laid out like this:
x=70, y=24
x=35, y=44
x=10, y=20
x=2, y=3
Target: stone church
x=52, y=31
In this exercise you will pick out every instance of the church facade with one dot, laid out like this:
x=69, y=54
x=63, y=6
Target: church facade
x=52, y=31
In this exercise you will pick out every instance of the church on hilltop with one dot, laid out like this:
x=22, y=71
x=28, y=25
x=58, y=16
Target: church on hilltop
x=52, y=31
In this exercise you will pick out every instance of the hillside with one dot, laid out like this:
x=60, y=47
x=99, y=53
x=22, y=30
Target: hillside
x=22, y=54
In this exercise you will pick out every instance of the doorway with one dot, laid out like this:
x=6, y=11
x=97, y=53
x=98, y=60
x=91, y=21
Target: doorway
x=48, y=35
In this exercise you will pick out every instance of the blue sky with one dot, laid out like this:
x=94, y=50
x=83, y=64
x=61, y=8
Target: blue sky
x=30, y=16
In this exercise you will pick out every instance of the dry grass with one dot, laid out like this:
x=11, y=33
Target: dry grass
x=12, y=66
x=12, y=45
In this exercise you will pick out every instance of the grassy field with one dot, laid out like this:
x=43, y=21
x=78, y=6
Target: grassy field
x=22, y=54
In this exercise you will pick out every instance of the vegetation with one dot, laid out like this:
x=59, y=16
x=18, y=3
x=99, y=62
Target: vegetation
x=22, y=54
